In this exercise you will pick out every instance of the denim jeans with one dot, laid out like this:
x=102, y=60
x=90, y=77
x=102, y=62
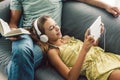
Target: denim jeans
x=25, y=57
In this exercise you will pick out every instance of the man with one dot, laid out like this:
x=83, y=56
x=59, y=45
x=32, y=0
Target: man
x=26, y=55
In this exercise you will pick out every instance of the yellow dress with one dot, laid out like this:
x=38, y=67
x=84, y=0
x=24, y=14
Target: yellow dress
x=97, y=65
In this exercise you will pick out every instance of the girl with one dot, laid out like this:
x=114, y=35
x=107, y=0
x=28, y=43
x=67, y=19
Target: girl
x=72, y=57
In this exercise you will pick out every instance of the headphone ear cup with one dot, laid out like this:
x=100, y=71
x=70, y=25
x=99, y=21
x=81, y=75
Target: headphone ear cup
x=44, y=38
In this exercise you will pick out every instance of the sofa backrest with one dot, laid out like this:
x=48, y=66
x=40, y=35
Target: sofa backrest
x=5, y=10
x=77, y=17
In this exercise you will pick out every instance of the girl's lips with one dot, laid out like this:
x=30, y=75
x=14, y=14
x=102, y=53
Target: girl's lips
x=58, y=34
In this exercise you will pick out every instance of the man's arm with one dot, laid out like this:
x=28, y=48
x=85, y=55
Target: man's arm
x=115, y=11
x=15, y=17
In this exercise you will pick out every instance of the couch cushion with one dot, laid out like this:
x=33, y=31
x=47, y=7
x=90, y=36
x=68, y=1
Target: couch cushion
x=5, y=51
x=5, y=56
x=49, y=73
x=77, y=17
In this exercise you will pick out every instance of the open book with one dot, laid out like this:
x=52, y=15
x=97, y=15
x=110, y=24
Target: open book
x=7, y=32
x=95, y=28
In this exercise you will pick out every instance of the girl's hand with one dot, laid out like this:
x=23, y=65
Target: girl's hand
x=88, y=41
x=102, y=28
x=96, y=42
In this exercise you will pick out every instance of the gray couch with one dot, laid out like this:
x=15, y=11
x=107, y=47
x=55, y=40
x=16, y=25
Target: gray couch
x=76, y=18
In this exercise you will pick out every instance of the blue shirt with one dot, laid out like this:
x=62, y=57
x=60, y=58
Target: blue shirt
x=33, y=9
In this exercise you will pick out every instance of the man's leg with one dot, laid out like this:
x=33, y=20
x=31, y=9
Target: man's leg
x=38, y=56
x=21, y=67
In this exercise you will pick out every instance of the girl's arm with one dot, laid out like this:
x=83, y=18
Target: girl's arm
x=74, y=72
x=68, y=74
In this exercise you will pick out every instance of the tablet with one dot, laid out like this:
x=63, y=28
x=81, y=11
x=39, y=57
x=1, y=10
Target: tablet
x=95, y=28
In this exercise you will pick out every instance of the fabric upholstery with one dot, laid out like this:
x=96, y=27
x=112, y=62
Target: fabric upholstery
x=4, y=10
x=76, y=18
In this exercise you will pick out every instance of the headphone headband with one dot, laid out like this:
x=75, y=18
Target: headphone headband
x=36, y=27
x=43, y=37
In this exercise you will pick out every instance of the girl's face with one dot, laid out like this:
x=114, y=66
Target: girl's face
x=52, y=30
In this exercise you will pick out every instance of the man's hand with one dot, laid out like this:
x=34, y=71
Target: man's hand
x=115, y=11
x=13, y=38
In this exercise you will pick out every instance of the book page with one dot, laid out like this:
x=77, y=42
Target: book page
x=95, y=28
x=4, y=27
x=16, y=32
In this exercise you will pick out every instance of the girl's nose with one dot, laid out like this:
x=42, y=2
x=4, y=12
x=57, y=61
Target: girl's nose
x=57, y=27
